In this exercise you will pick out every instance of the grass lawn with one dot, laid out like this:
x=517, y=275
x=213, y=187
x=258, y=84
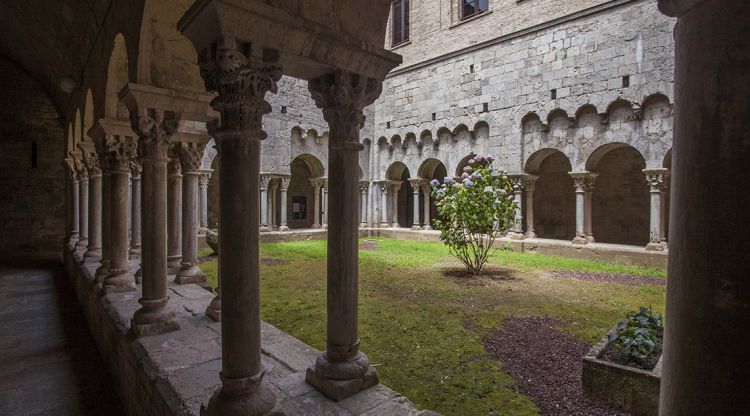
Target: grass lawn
x=421, y=324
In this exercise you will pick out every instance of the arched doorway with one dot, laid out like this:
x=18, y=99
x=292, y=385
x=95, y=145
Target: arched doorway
x=404, y=202
x=301, y=193
x=429, y=170
x=554, y=205
x=620, y=201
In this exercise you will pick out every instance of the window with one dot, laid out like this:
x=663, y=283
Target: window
x=470, y=8
x=400, y=22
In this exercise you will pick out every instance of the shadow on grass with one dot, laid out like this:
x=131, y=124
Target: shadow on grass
x=490, y=274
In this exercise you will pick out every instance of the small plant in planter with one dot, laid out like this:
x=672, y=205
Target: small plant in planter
x=638, y=339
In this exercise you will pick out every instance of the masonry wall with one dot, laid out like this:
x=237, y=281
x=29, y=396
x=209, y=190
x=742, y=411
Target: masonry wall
x=32, y=210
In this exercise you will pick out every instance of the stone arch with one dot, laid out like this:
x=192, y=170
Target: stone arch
x=482, y=130
x=444, y=136
x=463, y=163
x=461, y=133
x=88, y=114
x=117, y=77
x=301, y=192
x=398, y=171
x=297, y=134
x=410, y=138
x=314, y=165
x=209, y=155
x=70, y=142
x=426, y=137
x=554, y=196
x=531, y=123
x=587, y=116
x=620, y=111
x=620, y=201
x=395, y=141
x=312, y=134
x=432, y=169
x=77, y=127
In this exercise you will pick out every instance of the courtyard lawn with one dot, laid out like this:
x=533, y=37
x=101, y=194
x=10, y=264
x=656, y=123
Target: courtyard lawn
x=422, y=321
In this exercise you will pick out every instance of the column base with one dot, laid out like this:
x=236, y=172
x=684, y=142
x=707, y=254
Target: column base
x=655, y=247
x=134, y=253
x=426, y=228
x=190, y=274
x=363, y=225
x=580, y=240
x=264, y=228
x=118, y=281
x=174, y=264
x=260, y=402
x=92, y=256
x=155, y=317
x=515, y=235
x=316, y=226
x=416, y=227
x=82, y=243
x=530, y=234
x=102, y=272
x=384, y=225
x=284, y=227
x=590, y=238
x=340, y=380
x=213, y=310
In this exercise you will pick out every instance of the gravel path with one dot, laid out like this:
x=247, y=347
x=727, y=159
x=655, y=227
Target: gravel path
x=546, y=364
x=623, y=279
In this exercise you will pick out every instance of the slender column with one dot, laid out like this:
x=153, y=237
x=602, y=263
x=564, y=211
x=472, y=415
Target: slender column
x=120, y=151
x=384, y=186
x=655, y=179
x=663, y=211
x=284, y=188
x=264, y=181
x=94, y=252
x=174, y=211
x=190, y=154
x=83, y=206
x=73, y=216
x=584, y=183
x=426, y=191
x=203, y=183
x=103, y=270
x=272, y=204
x=155, y=132
x=416, y=185
x=343, y=370
x=705, y=369
x=517, y=181
x=529, y=182
x=316, y=183
x=395, y=187
x=135, y=209
x=363, y=187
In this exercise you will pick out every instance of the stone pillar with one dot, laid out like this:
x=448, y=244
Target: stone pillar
x=190, y=154
x=529, y=182
x=103, y=270
x=135, y=209
x=395, y=187
x=316, y=183
x=284, y=187
x=343, y=370
x=663, y=211
x=174, y=211
x=363, y=187
x=155, y=130
x=120, y=151
x=426, y=191
x=517, y=181
x=203, y=183
x=324, y=190
x=91, y=161
x=384, y=186
x=656, y=179
x=272, y=204
x=584, y=183
x=706, y=369
x=83, y=206
x=242, y=83
x=416, y=185
x=264, y=181
x=73, y=215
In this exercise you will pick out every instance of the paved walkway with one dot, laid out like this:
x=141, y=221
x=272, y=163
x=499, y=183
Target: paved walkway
x=49, y=364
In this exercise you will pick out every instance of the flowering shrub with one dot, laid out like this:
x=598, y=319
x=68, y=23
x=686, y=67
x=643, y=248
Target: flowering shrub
x=474, y=211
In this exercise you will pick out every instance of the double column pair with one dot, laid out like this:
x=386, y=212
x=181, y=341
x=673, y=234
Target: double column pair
x=268, y=186
x=320, y=202
x=389, y=192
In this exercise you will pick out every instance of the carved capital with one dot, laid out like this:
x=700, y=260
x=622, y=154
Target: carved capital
x=155, y=130
x=265, y=180
x=529, y=182
x=135, y=169
x=90, y=159
x=191, y=156
x=242, y=82
x=657, y=179
x=173, y=153
x=384, y=186
x=203, y=179
x=426, y=187
x=517, y=182
x=119, y=151
x=285, y=182
x=416, y=184
x=70, y=167
x=317, y=183
x=583, y=181
x=79, y=167
x=364, y=186
x=343, y=96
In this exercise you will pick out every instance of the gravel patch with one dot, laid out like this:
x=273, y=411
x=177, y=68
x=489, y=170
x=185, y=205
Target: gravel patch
x=546, y=365
x=369, y=245
x=623, y=279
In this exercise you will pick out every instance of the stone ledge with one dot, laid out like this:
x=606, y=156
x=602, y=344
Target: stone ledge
x=177, y=372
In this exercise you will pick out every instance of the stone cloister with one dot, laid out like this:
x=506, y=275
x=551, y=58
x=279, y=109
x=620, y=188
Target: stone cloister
x=178, y=102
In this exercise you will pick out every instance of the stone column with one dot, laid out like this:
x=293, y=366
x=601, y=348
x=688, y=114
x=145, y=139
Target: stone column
x=264, y=181
x=135, y=209
x=174, y=211
x=120, y=151
x=324, y=190
x=203, y=183
x=284, y=187
x=91, y=161
x=584, y=183
x=242, y=83
x=363, y=187
x=529, y=182
x=517, y=181
x=83, y=206
x=190, y=154
x=705, y=362
x=426, y=191
x=103, y=270
x=73, y=215
x=416, y=185
x=155, y=130
x=384, y=187
x=663, y=211
x=272, y=186
x=655, y=179
x=343, y=370
x=395, y=187
x=316, y=183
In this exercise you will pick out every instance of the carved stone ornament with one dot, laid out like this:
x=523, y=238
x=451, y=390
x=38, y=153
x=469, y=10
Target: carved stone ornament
x=191, y=156
x=342, y=96
x=135, y=169
x=285, y=182
x=120, y=150
x=174, y=167
x=91, y=161
x=80, y=168
x=242, y=83
x=584, y=182
x=69, y=165
x=657, y=179
x=203, y=179
x=517, y=182
x=155, y=131
x=364, y=186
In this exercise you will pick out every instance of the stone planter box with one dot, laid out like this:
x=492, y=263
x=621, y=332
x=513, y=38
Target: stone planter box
x=626, y=388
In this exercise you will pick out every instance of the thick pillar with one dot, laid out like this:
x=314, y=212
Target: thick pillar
x=190, y=154
x=155, y=131
x=91, y=161
x=284, y=187
x=384, y=187
x=343, y=370
x=363, y=187
x=174, y=211
x=264, y=181
x=416, y=185
x=317, y=184
x=583, y=183
x=655, y=178
x=517, y=181
x=395, y=187
x=120, y=150
x=73, y=216
x=706, y=370
x=426, y=191
x=203, y=213
x=135, y=209
x=83, y=207
x=529, y=182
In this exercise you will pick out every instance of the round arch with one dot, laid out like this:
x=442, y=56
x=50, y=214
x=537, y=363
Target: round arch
x=554, y=197
x=117, y=77
x=88, y=113
x=404, y=208
x=428, y=170
x=301, y=192
x=463, y=163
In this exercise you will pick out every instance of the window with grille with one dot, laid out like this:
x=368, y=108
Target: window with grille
x=471, y=8
x=400, y=22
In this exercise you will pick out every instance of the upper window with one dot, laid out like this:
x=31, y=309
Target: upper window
x=400, y=22
x=471, y=8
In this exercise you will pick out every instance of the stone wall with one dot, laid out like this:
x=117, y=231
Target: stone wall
x=32, y=210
